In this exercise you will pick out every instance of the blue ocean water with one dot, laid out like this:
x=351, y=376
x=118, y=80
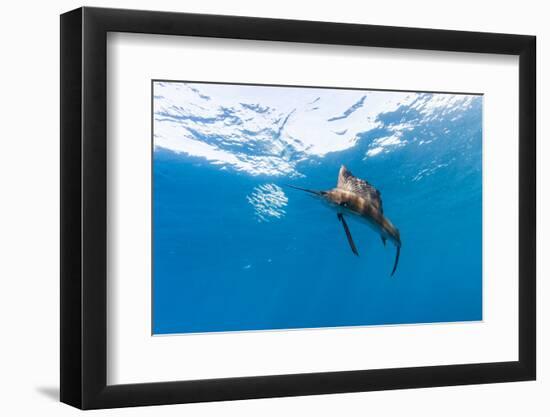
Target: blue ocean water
x=235, y=249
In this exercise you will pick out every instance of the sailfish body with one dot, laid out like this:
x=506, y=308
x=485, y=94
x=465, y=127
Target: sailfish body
x=354, y=196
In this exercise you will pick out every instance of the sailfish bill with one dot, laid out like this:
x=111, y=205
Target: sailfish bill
x=357, y=197
x=305, y=189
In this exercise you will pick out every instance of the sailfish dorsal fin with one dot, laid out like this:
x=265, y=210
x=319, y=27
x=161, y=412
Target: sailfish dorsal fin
x=348, y=182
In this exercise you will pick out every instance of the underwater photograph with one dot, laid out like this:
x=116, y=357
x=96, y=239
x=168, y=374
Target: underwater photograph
x=282, y=207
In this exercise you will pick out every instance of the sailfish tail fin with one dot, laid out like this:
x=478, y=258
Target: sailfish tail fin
x=398, y=248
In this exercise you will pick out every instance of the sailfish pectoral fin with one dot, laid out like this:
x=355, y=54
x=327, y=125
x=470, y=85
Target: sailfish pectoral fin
x=348, y=234
x=396, y=259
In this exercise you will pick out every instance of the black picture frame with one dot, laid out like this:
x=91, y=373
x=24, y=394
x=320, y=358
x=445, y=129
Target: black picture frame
x=84, y=207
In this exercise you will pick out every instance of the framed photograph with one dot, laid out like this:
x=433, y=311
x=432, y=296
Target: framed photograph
x=259, y=208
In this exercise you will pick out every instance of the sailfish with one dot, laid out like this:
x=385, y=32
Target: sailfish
x=356, y=197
